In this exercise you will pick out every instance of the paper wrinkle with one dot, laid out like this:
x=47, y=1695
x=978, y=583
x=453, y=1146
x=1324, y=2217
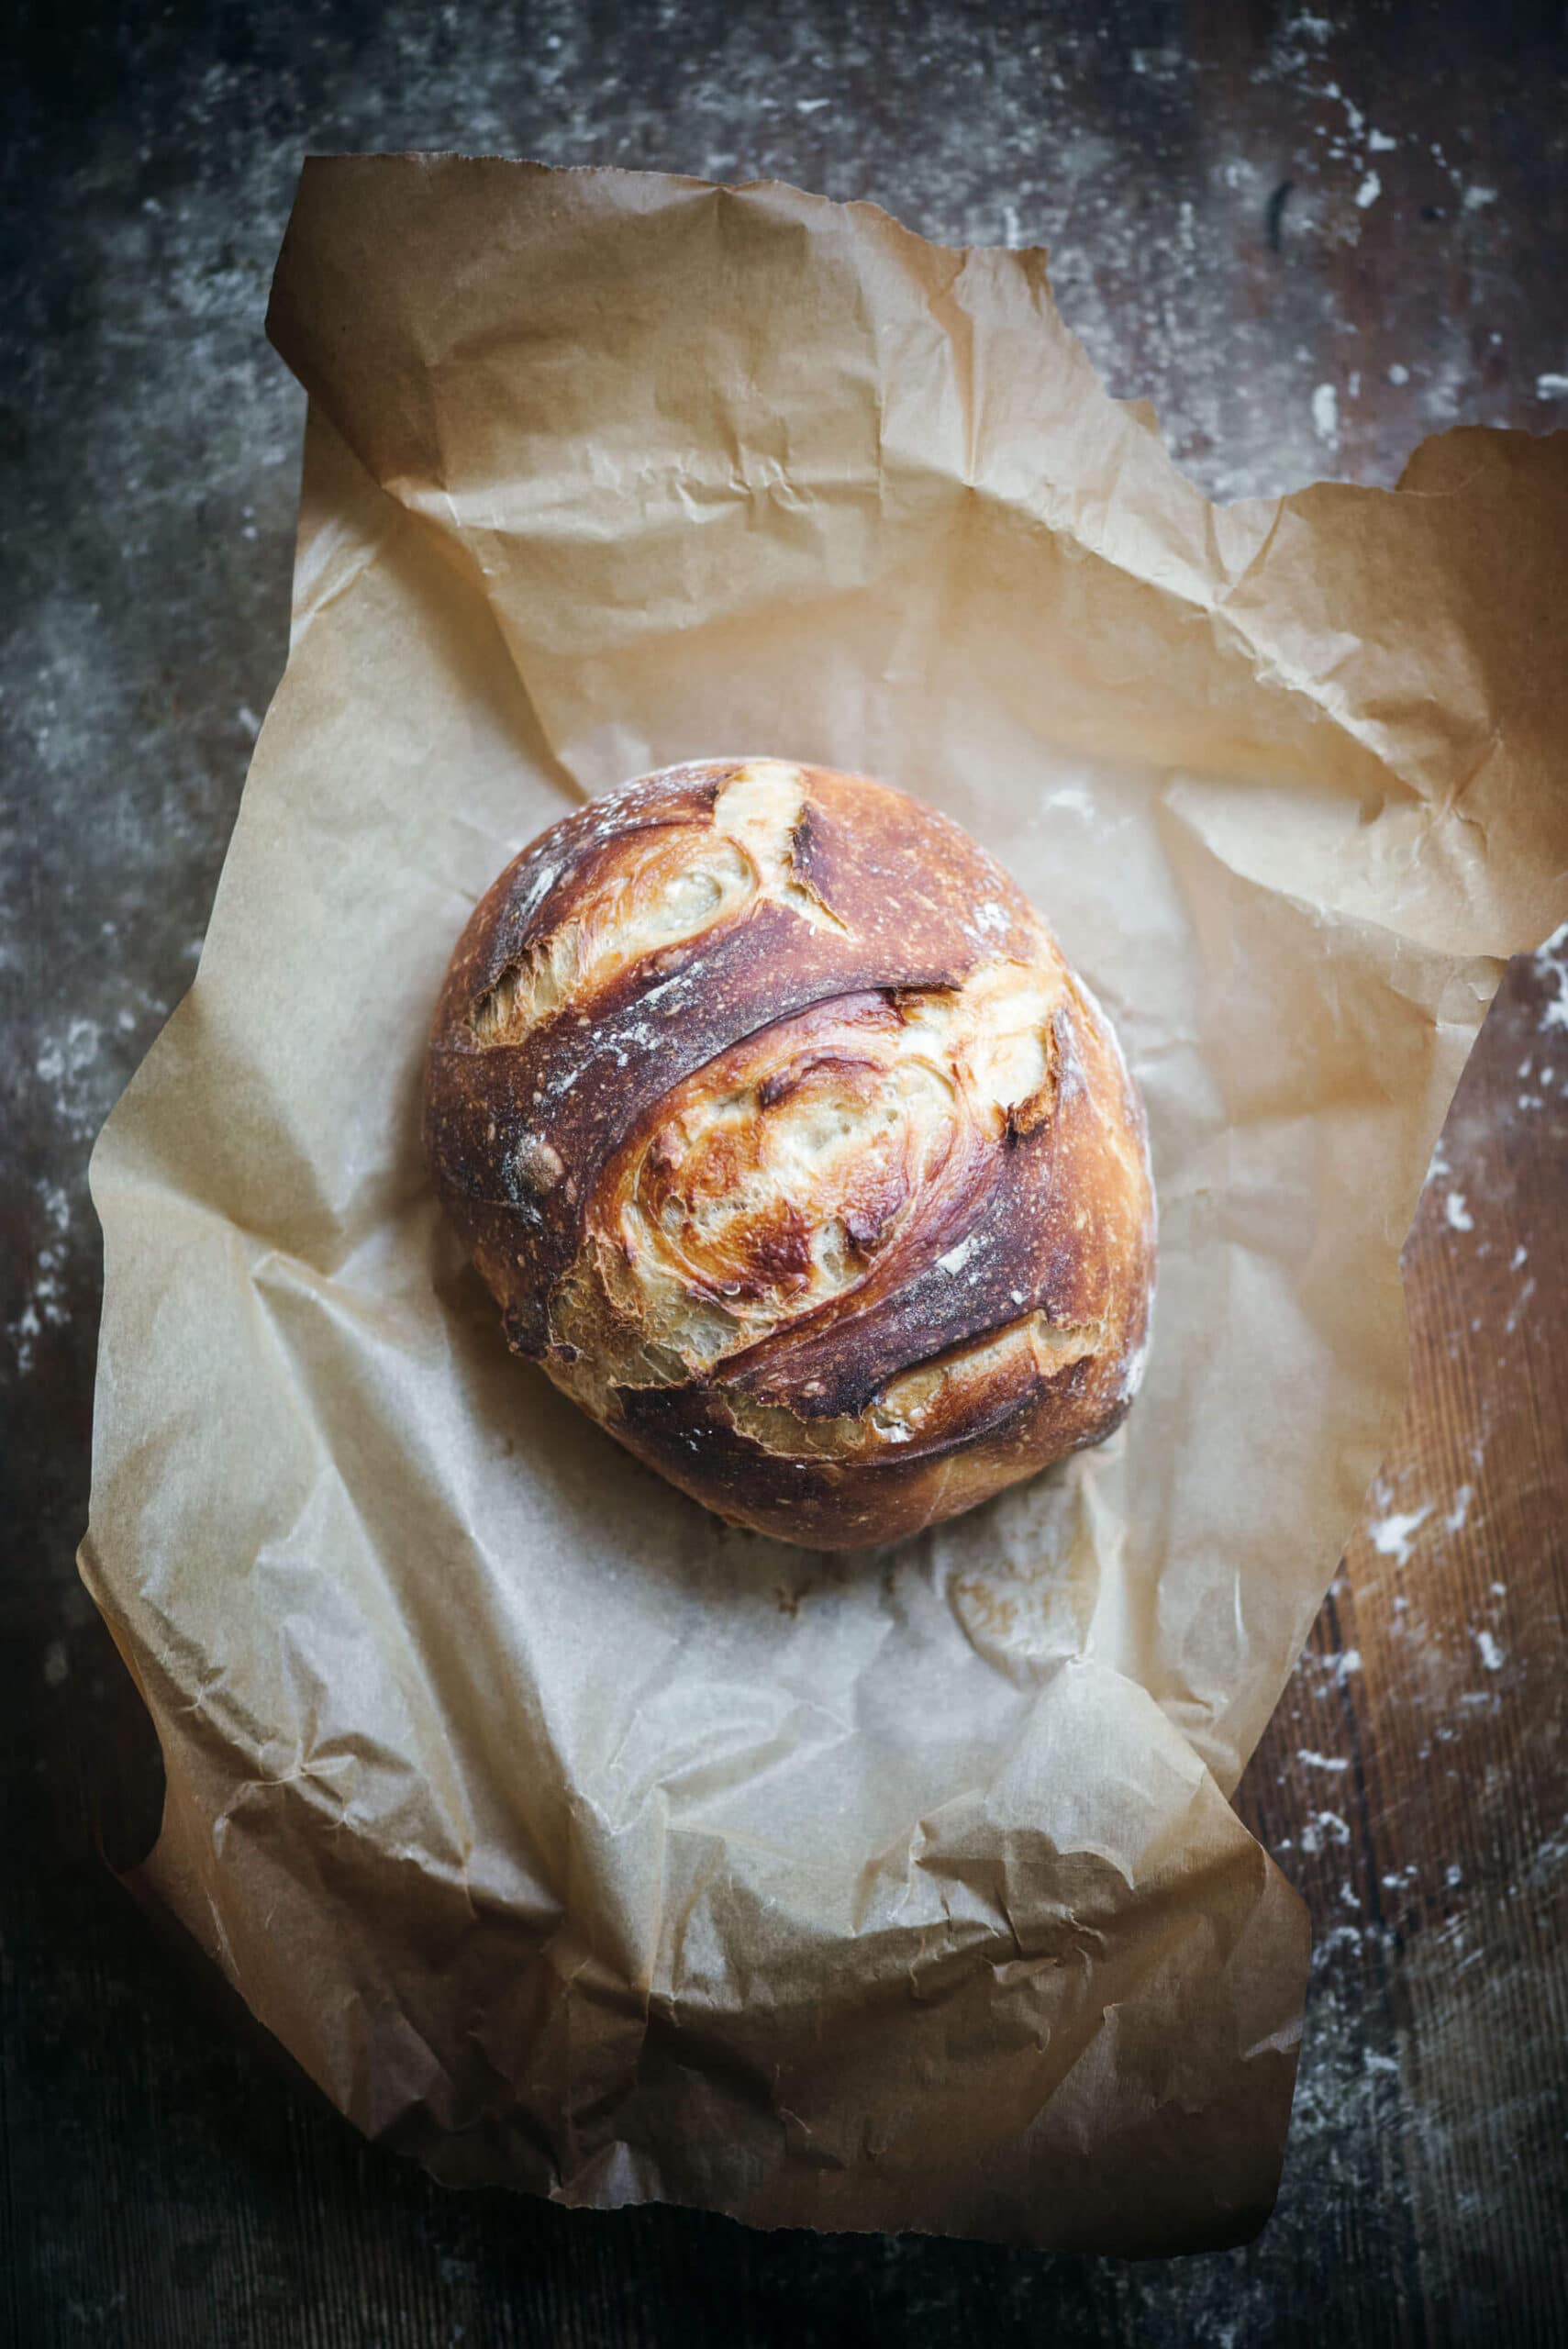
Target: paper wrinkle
x=334, y=578
x=567, y=1838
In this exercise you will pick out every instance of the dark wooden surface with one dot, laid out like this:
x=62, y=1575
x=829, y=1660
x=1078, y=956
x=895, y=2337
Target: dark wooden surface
x=1204, y=176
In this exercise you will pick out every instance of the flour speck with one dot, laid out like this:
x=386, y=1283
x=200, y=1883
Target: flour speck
x=1552, y=960
x=1323, y=1827
x=1391, y=1535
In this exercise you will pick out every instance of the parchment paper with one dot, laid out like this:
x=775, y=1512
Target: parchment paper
x=566, y=1838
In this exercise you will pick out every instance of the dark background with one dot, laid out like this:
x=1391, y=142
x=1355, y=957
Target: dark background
x=1311, y=236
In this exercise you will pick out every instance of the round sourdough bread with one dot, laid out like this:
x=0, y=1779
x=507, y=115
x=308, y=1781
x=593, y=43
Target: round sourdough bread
x=788, y=1143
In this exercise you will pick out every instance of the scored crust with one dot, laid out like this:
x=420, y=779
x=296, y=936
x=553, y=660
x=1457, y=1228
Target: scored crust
x=770, y=1114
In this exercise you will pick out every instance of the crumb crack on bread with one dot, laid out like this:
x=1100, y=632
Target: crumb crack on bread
x=674, y=884
x=790, y=1145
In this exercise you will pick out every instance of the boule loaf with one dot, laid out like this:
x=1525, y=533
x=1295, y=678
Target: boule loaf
x=773, y=1117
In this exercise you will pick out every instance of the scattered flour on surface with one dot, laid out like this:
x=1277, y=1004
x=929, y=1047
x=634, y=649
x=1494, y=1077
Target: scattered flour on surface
x=1459, y=1216
x=1552, y=960
x=1491, y=1654
x=67, y=1065
x=1454, y=1520
x=1341, y=1937
x=1523, y=1298
x=1323, y=1827
x=1326, y=414
x=45, y=1307
x=1391, y=1536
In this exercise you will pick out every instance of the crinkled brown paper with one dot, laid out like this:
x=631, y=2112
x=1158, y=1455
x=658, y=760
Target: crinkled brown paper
x=565, y=1837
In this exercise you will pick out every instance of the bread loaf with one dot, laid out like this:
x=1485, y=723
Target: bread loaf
x=788, y=1143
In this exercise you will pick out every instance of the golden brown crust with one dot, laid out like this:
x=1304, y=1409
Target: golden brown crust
x=789, y=1144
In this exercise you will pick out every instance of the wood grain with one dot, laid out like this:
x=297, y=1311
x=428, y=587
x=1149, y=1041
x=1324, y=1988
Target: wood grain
x=1415, y=1783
